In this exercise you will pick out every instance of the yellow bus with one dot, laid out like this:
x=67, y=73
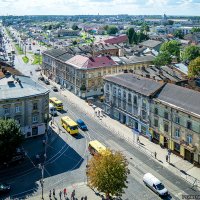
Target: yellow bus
x=95, y=147
x=57, y=103
x=69, y=125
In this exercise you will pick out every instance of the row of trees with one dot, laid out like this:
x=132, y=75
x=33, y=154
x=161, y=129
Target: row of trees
x=172, y=49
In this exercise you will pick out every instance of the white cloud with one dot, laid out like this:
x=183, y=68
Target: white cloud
x=70, y=7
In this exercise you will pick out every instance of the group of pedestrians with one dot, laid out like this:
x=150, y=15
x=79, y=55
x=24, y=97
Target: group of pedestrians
x=63, y=195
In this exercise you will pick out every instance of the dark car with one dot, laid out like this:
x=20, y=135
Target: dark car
x=46, y=82
x=55, y=89
x=4, y=188
x=41, y=78
x=81, y=125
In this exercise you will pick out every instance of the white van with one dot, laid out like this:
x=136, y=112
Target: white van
x=52, y=110
x=153, y=183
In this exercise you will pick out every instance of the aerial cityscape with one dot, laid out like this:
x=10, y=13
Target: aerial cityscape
x=99, y=99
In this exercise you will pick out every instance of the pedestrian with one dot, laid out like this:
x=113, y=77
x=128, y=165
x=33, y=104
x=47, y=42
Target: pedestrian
x=166, y=158
x=60, y=194
x=155, y=154
x=65, y=191
x=138, y=139
x=43, y=141
x=50, y=194
x=54, y=192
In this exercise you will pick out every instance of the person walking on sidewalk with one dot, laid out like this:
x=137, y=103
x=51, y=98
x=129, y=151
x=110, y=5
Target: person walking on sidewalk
x=138, y=140
x=65, y=191
x=166, y=158
x=50, y=194
x=155, y=154
x=54, y=193
x=60, y=194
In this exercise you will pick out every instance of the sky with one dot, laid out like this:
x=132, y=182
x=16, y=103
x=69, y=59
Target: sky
x=103, y=7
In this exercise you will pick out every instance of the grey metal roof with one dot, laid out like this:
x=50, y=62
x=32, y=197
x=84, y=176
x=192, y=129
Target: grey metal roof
x=151, y=43
x=54, y=52
x=65, y=57
x=14, y=90
x=138, y=84
x=184, y=98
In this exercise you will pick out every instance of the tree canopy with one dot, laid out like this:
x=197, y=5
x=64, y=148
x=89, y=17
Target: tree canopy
x=195, y=30
x=172, y=47
x=179, y=34
x=107, y=172
x=111, y=30
x=194, y=68
x=190, y=53
x=144, y=28
x=10, y=138
x=163, y=58
x=75, y=27
x=132, y=36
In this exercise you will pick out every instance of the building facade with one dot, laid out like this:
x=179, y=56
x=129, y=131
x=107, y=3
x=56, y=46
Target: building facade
x=175, y=121
x=128, y=98
x=25, y=101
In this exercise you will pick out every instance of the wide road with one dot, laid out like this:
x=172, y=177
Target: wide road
x=67, y=158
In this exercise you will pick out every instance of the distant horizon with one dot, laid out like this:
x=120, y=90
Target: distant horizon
x=103, y=7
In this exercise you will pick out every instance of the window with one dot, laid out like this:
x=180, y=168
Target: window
x=156, y=122
x=177, y=147
x=99, y=74
x=114, y=91
x=177, y=133
x=6, y=111
x=166, y=127
x=35, y=119
x=17, y=109
x=144, y=114
x=129, y=97
x=177, y=120
x=119, y=93
x=124, y=95
x=84, y=76
x=35, y=106
x=189, y=139
x=189, y=125
x=18, y=121
x=166, y=115
x=156, y=111
x=107, y=87
x=144, y=104
x=135, y=100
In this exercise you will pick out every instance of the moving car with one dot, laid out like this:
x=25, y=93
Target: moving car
x=46, y=82
x=41, y=78
x=52, y=110
x=153, y=183
x=81, y=125
x=4, y=188
x=55, y=89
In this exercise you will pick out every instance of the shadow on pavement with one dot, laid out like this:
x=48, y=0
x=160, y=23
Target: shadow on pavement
x=25, y=177
x=62, y=111
x=78, y=136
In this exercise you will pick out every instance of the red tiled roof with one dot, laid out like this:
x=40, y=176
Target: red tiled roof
x=89, y=63
x=117, y=40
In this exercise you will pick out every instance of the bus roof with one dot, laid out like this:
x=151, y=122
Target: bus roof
x=69, y=121
x=55, y=100
x=97, y=145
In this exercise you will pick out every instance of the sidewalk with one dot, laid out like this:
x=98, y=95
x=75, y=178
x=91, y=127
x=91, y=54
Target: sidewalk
x=177, y=165
x=81, y=190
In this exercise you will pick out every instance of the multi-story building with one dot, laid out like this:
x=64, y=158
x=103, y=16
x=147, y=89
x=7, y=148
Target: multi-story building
x=25, y=101
x=83, y=74
x=128, y=98
x=175, y=121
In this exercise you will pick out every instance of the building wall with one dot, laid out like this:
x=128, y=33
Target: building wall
x=29, y=112
x=128, y=107
x=183, y=133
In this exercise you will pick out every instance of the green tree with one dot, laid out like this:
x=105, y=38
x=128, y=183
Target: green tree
x=132, y=36
x=163, y=58
x=144, y=28
x=195, y=30
x=10, y=138
x=107, y=172
x=190, y=53
x=179, y=34
x=141, y=37
x=75, y=27
x=194, y=68
x=74, y=42
x=112, y=30
x=172, y=47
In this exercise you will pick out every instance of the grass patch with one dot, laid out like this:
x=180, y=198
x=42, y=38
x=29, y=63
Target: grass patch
x=37, y=59
x=19, y=50
x=25, y=59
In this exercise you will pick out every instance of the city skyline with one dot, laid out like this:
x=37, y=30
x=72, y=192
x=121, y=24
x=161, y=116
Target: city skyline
x=102, y=7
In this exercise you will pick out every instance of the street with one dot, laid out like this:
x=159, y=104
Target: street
x=67, y=156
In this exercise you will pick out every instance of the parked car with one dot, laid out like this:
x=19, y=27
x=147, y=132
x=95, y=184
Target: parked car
x=55, y=89
x=38, y=69
x=46, y=82
x=41, y=78
x=81, y=125
x=153, y=183
x=4, y=188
